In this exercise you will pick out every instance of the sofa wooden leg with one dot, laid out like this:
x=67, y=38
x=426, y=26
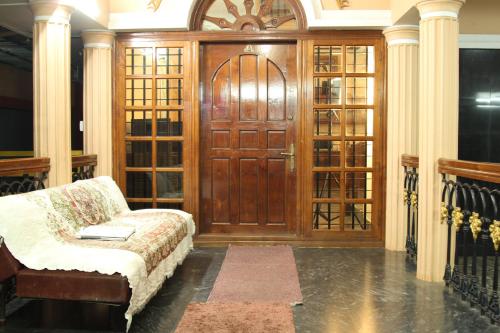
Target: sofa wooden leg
x=3, y=303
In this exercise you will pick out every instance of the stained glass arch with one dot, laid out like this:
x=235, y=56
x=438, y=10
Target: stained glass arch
x=248, y=15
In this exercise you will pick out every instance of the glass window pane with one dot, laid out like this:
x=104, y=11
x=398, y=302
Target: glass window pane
x=359, y=90
x=358, y=217
x=327, y=90
x=140, y=205
x=170, y=205
x=169, y=184
x=328, y=59
x=139, y=184
x=326, y=216
x=358, y=185
x=138, y=92
x=138, y=123
x=326, y=153
x=138, y=61
x=169, y=92
x=169, y=60
x=359, y=122
x=359, y=154
x=169, y=154
x=278, y=9
x=138, y=153
x=326, y=185
x=360, y=59
x=327, y=122
x=169, y=123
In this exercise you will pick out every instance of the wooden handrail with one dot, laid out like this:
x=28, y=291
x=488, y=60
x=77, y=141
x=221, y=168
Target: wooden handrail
x=20, y=166
x=488, y=172
x=409, y=161
x=84, y=160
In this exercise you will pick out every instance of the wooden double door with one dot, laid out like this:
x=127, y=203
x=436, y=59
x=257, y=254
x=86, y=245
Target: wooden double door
x=248, y=138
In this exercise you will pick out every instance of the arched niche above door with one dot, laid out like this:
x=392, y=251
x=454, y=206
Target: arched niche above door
x=248, y=15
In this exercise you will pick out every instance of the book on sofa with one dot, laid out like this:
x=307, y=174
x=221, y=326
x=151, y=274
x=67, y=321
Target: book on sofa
x=108, y=233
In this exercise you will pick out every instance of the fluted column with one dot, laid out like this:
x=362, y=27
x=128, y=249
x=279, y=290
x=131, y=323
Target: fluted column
x=97, y=98
x=51, y=87
x=402, y=124
x=438, y=130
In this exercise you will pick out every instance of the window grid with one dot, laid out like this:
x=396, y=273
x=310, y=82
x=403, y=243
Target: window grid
x=342, y=158
x=154, y=140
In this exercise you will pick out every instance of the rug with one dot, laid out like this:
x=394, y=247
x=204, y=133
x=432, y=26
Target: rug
x=258, y=274
x=237, y=318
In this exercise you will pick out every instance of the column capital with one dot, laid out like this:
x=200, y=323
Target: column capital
x=439, y=8
x=97, y=38
x=402, y=35
x=56, y=11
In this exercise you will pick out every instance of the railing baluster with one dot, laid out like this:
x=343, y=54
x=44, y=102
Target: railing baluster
x=414, y=208
x=465, y=279
x=83, y=167
x=493, y=306
x=410, y=200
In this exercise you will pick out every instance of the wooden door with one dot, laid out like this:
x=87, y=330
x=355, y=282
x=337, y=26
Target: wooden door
x=248, y=111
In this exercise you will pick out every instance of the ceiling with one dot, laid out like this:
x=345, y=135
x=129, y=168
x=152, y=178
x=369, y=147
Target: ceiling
x=16, y=15
x=15, y=49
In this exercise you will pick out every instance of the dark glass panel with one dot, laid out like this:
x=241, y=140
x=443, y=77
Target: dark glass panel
x=139, y=153
x=169, y=122
x=326, y=216
x=169, y=184
x=326, y=185
x=139, y=185
x=326, y=153
x=169, y=154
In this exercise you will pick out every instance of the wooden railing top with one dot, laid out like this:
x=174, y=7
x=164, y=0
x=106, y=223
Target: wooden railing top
x=409, y=161
x=488, y=172
x=20, y=166
x=84, y=160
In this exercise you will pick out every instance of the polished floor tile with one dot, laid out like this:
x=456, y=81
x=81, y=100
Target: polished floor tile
x=344, y=290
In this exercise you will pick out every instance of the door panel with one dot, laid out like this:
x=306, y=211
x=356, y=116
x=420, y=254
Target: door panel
x=248, y=102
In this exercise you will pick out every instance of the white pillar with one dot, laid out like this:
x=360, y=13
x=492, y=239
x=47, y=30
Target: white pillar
x=402, y=124
x=52, y=87
x=97, y=98
x=438, y=130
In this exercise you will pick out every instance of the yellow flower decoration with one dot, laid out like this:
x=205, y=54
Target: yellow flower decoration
x=457, y=217
x=495, y=234
x=414, y=199
x=444, y=213
x=475, y=224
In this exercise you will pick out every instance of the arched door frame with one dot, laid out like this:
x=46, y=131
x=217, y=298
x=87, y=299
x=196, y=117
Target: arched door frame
x=201, y=7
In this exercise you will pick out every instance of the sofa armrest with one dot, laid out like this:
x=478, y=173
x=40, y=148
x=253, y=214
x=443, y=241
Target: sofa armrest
x=9, y=266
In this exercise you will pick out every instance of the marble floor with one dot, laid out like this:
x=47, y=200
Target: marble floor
x=345, y=290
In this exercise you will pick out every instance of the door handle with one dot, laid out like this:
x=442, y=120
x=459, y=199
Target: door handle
x=291, y=156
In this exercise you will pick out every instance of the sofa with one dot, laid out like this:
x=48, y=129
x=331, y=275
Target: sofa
x=41, y=251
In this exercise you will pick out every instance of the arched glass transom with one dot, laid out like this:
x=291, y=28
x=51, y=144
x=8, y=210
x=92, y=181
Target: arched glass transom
x=249, y=15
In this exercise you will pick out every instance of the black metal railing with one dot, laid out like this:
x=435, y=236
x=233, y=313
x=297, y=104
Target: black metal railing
x=83, y=167
x=470, y=205
x=23, y=175
x=410, y=199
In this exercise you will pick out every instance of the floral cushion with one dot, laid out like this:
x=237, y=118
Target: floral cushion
x=83, y=203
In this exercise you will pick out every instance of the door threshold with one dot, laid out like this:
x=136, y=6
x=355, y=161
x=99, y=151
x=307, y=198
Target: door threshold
x=222, y=240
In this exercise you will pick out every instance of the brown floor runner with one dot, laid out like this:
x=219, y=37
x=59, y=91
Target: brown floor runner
x=237, y=318
x=258, y=274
